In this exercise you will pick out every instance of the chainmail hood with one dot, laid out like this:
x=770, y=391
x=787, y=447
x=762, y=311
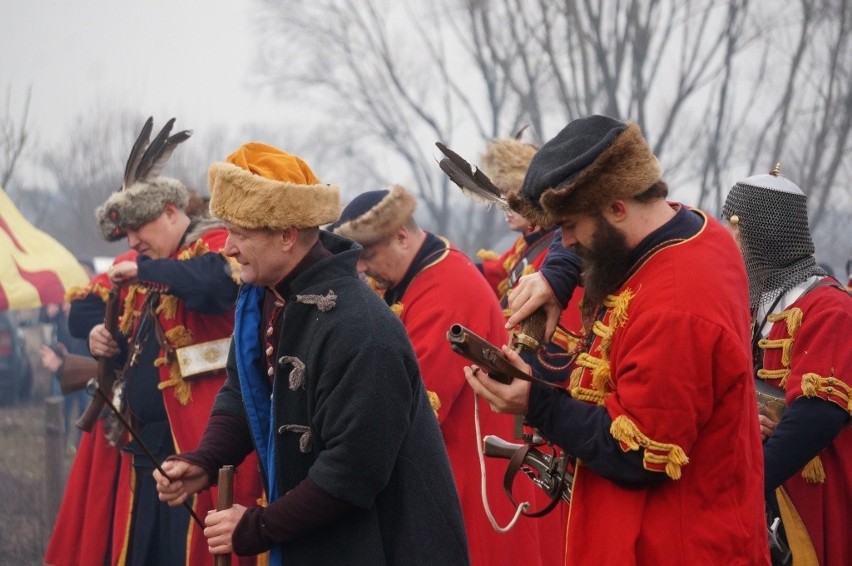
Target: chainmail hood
x=771, y=214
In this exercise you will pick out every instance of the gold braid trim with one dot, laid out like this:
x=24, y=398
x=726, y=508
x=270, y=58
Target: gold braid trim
x=774, y=374
x=828, y=388
x=657, y=454
x=618, y=305
x=600, y=379
x=82, y=291
x=813, y=472
x=503, y=287
x=177, y=337
x=794, y=319
x=198, y=248
x=512, y=259
x=397, y=309
x=605, y=333
x=129, y=314
x=785, y=344
x=434, y=402
x=168, y=306
x=487, y=255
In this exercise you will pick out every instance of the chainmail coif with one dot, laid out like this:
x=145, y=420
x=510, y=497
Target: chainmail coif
x=774, y=235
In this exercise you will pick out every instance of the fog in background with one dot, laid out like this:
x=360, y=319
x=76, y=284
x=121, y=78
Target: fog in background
x=362, y=90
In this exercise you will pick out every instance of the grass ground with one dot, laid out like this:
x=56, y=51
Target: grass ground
x=22, y=493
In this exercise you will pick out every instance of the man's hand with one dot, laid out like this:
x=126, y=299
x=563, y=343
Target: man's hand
x=50, y=359
x=123, y=271
x=512, y=398
x=531, y=293
x=183, y=481
x=767, y=426
x=220, y=529
x=101, y=343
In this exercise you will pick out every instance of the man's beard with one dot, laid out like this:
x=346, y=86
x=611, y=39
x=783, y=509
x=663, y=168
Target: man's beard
x=605, y=265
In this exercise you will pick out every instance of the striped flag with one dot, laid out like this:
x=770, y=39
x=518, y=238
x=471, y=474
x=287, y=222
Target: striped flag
x=35, y=269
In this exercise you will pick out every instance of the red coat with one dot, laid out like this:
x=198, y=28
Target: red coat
x=808, y=352
x=450, y=290
x=188, y=404
x=673, y=370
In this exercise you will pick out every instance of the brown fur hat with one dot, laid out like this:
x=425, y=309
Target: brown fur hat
x=591, y=162
x=261, y=186
x=373, y=216
x=137, y=205
x=505, y=161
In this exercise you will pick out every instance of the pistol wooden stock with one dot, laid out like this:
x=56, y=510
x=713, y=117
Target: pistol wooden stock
x=106, y=368
x=225, y=501
x=484, y=354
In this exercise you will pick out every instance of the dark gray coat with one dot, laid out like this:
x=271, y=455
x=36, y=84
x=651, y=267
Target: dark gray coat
x=351, y=412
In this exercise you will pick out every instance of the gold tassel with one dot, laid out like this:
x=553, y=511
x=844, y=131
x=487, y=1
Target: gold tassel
x=618, y=304
x=397, y=309
x=198, y=248
x=487, y=255
x=182, y=392
x=434, y=402
x=601, y=376
x=168, y=306
x=813, y=472
x=625, y=431
x=179, y=336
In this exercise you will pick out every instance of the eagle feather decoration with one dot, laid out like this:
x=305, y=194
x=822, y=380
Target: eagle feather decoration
x=148, y=158
x=472, y=181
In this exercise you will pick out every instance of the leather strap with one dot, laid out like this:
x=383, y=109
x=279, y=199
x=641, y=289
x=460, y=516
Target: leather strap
x=516, y=462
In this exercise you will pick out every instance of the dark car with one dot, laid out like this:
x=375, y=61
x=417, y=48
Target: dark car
x=16, y=373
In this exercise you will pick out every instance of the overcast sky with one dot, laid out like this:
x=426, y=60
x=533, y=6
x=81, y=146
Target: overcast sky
x=168, y=58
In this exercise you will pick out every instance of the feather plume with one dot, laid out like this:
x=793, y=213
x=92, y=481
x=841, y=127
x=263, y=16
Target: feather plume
x=148, y=157
x=517, y=135
x=135, y=157
x=166, y=151
x=474, y=183
x=153, y=151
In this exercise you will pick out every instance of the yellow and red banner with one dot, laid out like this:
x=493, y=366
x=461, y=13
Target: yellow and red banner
x=35, y=269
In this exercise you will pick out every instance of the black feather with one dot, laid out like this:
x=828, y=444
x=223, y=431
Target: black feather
x=153, y=151
x=474, y=183
x=166, y=152
x=135, y=157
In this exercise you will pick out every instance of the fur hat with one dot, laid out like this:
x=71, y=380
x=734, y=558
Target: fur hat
x=144, y=194
x=134, y=207
x=375, y=215
x=505, y=161
x=592, y=161
x=260, y=186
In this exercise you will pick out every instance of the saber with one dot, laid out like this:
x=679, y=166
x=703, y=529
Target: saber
x=94, y=387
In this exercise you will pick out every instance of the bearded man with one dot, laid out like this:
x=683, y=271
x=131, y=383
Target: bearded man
x=659, y=411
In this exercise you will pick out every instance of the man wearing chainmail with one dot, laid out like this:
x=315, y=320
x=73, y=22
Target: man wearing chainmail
x=323, y=385
x=802, y=327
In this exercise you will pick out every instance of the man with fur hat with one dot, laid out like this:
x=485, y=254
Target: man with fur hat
x=177, y=302
x=802, y=326
x=431, y=285
x=659, y=411
x=505, y=162
x=323, y=385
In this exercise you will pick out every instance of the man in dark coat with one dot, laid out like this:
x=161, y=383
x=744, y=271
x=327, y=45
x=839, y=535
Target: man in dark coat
x=324, y=385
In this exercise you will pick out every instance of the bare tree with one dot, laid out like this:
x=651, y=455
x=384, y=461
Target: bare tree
x=13, y=137
x=720, y=89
